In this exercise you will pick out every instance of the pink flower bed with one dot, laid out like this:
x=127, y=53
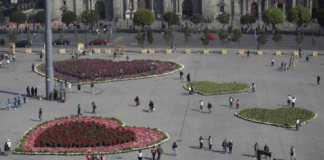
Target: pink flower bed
x=143, y=136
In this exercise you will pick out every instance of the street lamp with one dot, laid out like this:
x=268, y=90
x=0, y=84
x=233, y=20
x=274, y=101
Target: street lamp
x=171, y=32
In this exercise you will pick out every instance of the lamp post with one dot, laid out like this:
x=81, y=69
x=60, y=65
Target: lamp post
x=171, y=33
x=162, y=14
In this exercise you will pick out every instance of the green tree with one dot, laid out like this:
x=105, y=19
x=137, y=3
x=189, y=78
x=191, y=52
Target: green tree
x=273, y=16
x=150, y=36
x=205, y=39
x=320, y=17
x=224, y=18
x=299, y=39
x=223, y=35
x=196, y=19
x=263, y=39
x=140, y=37
x=277, y=37
x=187, y=34
x=2, y=17
x=175, y=18
x=143, y=17
x=247, y=20
x=40, y=17
x=237, y=36
x=68, y=17
x=299, y=16
x=12, y=37
x=90, y=17
x=18, y=17
x=168, y=36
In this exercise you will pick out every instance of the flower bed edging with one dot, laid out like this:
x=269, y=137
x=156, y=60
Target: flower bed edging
x=268, y=123
x=20, y=144
x=187, y=88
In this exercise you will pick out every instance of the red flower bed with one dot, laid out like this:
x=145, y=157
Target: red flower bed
x=85, y=70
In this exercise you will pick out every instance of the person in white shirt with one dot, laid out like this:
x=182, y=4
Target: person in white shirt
x=288, y=100
x=201, y=105
x=139, y=155
x=9, y=145
x=292, y=153
x=272, y=62
x=297, y=124
x=293, y=101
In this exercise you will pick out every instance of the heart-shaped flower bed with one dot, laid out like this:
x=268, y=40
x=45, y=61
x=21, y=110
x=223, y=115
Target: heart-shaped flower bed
x=214, y=88
x=93, y=70
x=79, y=135
x=283, y=117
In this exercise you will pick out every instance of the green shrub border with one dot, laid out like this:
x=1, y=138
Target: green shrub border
x=187, y=88
x=275, y=124
x=19, y=149
x=180, y=67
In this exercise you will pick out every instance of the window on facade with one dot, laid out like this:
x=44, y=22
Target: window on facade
x=64, y=3
x=221, y=8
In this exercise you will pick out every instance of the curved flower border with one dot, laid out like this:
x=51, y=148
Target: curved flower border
x=19, y=148
x=180, y=67
x=272, y=124
x=184, y=86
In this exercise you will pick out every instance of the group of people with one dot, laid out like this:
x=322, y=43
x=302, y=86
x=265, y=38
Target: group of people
x=31, y=92
x=151, y=104
x=15, y=103
x=291, y=101
x=95, y=156
x=6, y=58
x=209, y=141
x=158, y=150
x=228, y=145
x=231, y=100
x=68, y=85
x=7, y=148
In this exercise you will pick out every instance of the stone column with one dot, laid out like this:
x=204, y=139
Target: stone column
x=118, y=9
x=243, y=3
x=266, y=4
x=276, y=4
x=293, y=3
x=127, y=12
x=249, y=7
x=259, y=10
x=152, y=5
x=284, y=8
x=310, y=5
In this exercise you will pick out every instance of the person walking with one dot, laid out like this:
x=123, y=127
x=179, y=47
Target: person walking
x=25, y=99
x=292, y=153
x=231, y=101
x=8, y=63
x=192, y=89
x=94, y=106
x=248, y=54
x=224, y=145
x=102, y=157
x=41, y=57
x=210, y=143
x=92, y=87
x=201, y=142
x=181, y=74
x=159, y=151
x=266, y=148
x=114, y=56
x=28, y=92
x=153, y=151
x=318, y=80
x=137, y=101
x=19, y=102
x=151, y=105
x=293, y=101
x=40, y=113
x=174, y=148
x=189, y=88
x=9, y=104
x=256, y=147
x=9, y=145
x=288, y=100
x=79, y=110
x=253, y=87
x=230, y=146
x=6, y=148
x=307, y=58
x=201, y=103
x=209, y=106
x=139, y=155
x=297, y=124
x=238, y=104
x=282, y=65
x=33, y=67
x=272, y=62
x=79, y=87
x=35, y=90
x=188, y=77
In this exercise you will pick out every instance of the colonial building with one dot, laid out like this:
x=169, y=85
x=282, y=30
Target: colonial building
x=124, y=9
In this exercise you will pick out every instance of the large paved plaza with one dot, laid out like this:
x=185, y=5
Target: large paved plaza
x=177, y=113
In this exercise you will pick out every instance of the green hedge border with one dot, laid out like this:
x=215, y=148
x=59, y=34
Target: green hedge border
x=187, y=88
x=180, y=67
x=273, y=124
x=18, y=150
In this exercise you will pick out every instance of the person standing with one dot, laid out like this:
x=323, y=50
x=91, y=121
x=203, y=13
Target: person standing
x=19, y=102
x=35, y=91
x=33, y=67
x=230, y=145
x=189, y=88
x=114, y=56
x=139, y=155
x=318, y=80
x=297, y=124
x=0, y=63
x=137, y=101
x=209, y=106
x=25, y=99
x=238, y=104
x=192, y=89
x=272, y=62
x=201, y=142
x=159, y=151
x=32, y=91
x=282, y=65
x=94, y=106
x=201, y=103
x=224, y=145
x=292, y=153
x=41, y=57
x=253, y=87
x=9, y=104
x=174, y=148
x=9, y=145
x=210, y=143
x=89, y=156
x=92, y=88
x=266, y=148
x=79, y=87
x=79, y=110
x=153, y=151
x=293, y=101
x=231, y=101
x=151, y=105
x=40, y=113
x=307, y=59
x=256, y=147
x=181, y=74
x=8, y=63
x=6, y=148
x=188, y=77
x=102, y=157
x=288, y=100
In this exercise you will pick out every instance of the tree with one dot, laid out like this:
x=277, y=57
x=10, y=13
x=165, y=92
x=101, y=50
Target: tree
x=187, y=34
x=143, y=17
x=277, y=37
x=40, y=17
x=175, y=18
x=273, y=16
x=320, y=17
x=205, y=39
x=168, y=36
x=68, y=17
x=299, y=16
x=237, y=36
x=2, y=17
x=247, y=20
x=12, y=37
x=224, y=18
x=18, y=17
x=223, y=35
x=299, y=39
x=140, y=38
x=196, y=19
x=150, y=36
x=263, y=39
x=90, y=17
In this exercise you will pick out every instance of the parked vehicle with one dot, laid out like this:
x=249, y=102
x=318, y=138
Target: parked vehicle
x=98, y=42
x=59, y=42
x=2, y=42
x=23, y=43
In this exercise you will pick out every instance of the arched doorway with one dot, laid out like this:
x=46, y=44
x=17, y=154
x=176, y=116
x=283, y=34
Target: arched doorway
x=254, y=10
x=187, y=8
x=100, y=8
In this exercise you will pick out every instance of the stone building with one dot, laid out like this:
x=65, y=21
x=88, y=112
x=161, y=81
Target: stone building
x=124, y=9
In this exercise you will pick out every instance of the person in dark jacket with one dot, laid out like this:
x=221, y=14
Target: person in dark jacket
x=6, y=149
x=94, y=106
x=32, y=92
x=248, y=53
x=28, y=92
x=79, y=110
x=181, y=74
x=33, y=67
x=174, y=149
x=137, y=101
x=92, y=87
x=318, y=79
x=201, y=142
x=151, y=106
x=79, y=87
x=209, y=106
x=159, y=151
x=230, y=145
x=40, y=113
x=224, y=145
x=35, y=91
x=188, y=77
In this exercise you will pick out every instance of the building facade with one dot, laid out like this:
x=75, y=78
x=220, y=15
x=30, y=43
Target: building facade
x=124, y=9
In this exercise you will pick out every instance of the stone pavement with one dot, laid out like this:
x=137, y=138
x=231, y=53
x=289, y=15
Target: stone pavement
x=176, y=112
